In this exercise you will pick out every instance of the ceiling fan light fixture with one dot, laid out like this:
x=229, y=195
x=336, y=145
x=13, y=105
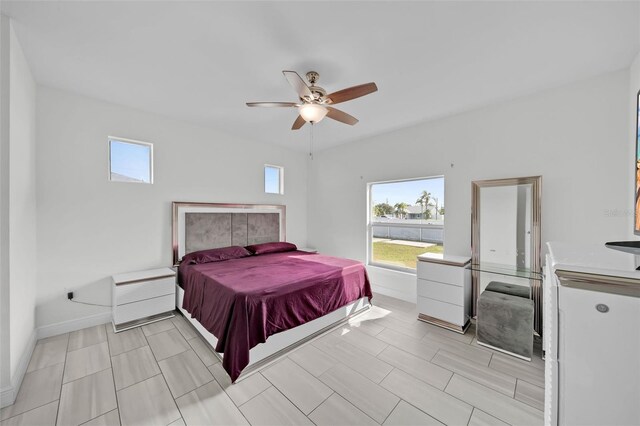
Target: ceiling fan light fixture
x=313, y=113
x=314, y=103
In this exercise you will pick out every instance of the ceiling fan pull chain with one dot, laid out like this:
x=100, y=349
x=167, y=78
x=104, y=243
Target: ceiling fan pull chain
x=311, y=143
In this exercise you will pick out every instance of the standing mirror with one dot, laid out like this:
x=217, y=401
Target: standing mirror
x=505, y=240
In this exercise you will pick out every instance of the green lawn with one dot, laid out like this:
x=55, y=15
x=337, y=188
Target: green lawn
x=400, y=255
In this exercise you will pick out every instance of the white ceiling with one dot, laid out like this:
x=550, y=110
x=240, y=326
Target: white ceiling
x=201, y=61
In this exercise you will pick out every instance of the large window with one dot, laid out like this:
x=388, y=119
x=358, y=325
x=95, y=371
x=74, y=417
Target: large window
x=406, y=218
x=130, y=161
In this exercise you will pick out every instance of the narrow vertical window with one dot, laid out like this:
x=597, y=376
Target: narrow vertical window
x=130, y=161
x=273, y=179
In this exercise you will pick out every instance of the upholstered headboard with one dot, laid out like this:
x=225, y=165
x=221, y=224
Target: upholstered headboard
x=201, y=226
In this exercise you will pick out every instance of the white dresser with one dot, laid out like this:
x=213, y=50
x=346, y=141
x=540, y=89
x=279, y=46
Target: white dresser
x=142, y=297
x=444, y=291
x=591, y=336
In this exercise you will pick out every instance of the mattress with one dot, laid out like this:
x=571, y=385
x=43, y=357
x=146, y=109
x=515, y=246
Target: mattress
x=244, y=301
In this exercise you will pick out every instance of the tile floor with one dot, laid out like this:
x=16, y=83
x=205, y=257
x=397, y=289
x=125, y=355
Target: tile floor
x=385, y=367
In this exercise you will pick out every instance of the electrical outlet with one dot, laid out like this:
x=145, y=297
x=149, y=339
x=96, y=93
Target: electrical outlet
x=70, y=295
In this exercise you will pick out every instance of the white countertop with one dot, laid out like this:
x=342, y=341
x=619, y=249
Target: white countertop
x=592, y=259
x=142, y=275
x=445, y=258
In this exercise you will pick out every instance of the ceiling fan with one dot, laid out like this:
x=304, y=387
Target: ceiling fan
x=314, y=103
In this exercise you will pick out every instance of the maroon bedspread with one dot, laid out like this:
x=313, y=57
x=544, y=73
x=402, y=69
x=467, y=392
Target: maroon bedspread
x=244, y=301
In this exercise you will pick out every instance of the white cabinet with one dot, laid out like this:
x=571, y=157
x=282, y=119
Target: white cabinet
x=592, y=342
x=444, y=291
x=142, y=297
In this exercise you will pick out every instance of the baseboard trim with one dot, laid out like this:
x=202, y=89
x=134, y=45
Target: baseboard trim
x=7, y=396
x=73, y=325
x=9, y=393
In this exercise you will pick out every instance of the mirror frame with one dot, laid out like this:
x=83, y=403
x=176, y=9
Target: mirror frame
x=536, y=194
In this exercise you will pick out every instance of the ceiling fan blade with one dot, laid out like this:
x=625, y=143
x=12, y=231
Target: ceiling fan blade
x=272, y=104
x=298, y=123
x=352, y=93
x=298, y=83
x=341, y=116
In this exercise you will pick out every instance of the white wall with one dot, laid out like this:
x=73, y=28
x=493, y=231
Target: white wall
x=22, y=201
x=5, y=314
x=576, y=137
x=90, y=228
x=18, y=212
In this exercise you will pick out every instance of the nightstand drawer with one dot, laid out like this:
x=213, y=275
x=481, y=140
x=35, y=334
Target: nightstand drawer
x=137, y=291
x=447, y=274
x=145, y=308
x=441, y=310
x=442, y=292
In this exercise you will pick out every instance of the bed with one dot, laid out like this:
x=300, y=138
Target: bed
x=253, y=308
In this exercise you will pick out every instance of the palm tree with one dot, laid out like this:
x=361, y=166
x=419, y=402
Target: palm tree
x=435, y=204
x=401, y=209
x=423, y=200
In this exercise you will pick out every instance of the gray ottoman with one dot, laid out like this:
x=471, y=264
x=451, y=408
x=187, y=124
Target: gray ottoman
x=505, y=322
x=505, y=288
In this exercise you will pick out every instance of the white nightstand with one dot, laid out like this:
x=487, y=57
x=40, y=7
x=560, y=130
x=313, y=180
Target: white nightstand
x=444, y=291
x=142, y=297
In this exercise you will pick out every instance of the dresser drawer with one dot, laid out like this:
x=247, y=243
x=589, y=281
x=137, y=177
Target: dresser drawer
x=447, y=274
x=442, y=292
x=136, y=291
x=441, y=310
x=144, y=308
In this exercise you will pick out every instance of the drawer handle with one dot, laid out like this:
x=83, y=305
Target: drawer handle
x=602, y=308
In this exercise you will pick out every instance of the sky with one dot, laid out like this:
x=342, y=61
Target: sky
x=130, y=159
x=271, y=180
x=407, y=191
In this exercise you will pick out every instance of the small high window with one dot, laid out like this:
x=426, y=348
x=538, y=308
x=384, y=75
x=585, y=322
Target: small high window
x=273, y=179
x=130, y=161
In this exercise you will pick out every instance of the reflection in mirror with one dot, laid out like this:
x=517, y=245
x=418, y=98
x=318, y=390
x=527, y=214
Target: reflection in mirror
x=505, y=228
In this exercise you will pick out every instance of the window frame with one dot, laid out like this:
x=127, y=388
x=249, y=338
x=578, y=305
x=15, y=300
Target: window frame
x=280, y=179
x=370, y=224
x=134, y=142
